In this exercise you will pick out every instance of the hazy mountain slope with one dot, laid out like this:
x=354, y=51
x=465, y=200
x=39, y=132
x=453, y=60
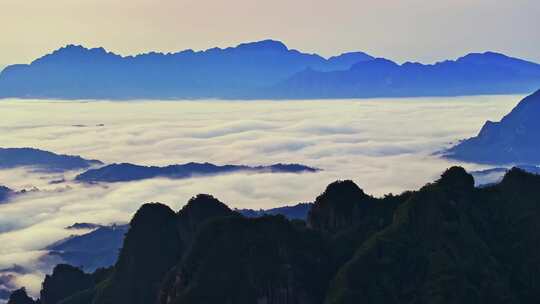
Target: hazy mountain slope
x=296, y=212
x=473, y=74
x=513, y=140
x=96, y=249
x=431, y=253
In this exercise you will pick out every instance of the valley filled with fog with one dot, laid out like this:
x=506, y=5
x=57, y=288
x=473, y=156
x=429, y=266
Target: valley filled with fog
x=384, y=145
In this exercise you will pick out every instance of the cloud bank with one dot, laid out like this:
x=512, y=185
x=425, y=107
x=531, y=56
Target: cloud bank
x=384, y=145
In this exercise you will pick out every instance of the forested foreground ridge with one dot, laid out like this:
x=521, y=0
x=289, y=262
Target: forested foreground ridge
x=447, y=242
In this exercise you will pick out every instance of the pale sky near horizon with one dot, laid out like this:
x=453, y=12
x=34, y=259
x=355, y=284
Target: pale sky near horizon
x=411, y=30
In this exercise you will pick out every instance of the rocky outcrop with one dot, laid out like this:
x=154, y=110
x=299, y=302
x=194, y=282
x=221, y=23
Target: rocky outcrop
x=20, y=296
x=197, y=211
x=96, y=249
x=64, y=282
x=338, y=207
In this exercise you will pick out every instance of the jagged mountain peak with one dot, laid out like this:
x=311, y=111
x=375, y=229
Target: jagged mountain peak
x=341, y=187
x=337, y=206
x=204, y=205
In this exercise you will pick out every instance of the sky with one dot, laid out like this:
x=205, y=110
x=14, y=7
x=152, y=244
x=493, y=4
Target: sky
x=405, y=30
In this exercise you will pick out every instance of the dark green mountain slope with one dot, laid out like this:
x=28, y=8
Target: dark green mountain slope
x=431, y=253
x=446, y=243
x=239, y=260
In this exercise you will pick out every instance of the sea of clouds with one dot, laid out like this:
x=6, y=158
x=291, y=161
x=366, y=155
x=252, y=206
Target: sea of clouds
x=384, y=145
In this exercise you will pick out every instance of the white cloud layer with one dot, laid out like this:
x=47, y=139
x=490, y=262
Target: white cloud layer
x=384, y=145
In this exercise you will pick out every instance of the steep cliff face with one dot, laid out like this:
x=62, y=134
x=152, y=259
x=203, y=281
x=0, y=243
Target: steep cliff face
x=151, y=247
x=264, y=260
x=96, y=249
x=513, y=140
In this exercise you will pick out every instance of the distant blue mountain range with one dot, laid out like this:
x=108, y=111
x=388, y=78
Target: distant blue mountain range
x=264, y=69
x=43, y=160
x=78, y=72
x=97, y=171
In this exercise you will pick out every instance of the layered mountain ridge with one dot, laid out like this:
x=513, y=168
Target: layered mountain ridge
x=265, y=69
x=473, y=74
